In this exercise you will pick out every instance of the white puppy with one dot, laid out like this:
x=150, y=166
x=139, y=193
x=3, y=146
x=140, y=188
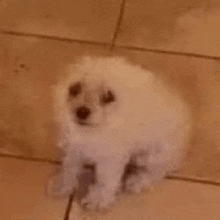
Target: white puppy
x=111, y=113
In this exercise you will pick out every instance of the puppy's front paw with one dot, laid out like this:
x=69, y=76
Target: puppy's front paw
x=98, y=198
x=56, y=187
x=136, y=184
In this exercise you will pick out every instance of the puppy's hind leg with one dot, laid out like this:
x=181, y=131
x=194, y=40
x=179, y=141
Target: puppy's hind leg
x=151, y=167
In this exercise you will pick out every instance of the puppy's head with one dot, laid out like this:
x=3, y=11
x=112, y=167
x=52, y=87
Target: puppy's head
x=103, y=92
x=90, y=101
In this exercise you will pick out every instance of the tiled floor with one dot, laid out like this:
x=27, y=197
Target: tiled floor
x=190, y=26
x=178, y=40
x=22, y=189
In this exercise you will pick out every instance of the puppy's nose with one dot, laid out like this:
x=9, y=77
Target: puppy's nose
x=83, y=112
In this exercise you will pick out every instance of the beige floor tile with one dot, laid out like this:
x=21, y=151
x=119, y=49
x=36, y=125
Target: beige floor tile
x=93, y=20
x=22, y=188
x=204, y=157
x=177, y=200
x=181, y=26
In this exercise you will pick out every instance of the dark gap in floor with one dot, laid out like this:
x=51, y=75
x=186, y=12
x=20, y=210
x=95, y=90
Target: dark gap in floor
x=118, y=24
x=56, y=38
x=207, y=182
x=69, y=206
x=111, y=46
x=30, y=158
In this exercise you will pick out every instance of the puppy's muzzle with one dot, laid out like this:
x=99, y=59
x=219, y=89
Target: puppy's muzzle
x=83, y=113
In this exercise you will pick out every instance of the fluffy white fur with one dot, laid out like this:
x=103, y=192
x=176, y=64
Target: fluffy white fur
x=146, y=123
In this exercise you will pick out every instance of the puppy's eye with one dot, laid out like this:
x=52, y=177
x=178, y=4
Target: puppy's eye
x=75, y=89
x=107, y=98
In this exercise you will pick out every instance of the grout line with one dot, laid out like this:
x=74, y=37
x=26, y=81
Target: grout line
x=69, y=206
x=29, y=158
x=118, y=24
x=111, y=45
x=48, y=37
x=207, y=182
x=169, y=52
